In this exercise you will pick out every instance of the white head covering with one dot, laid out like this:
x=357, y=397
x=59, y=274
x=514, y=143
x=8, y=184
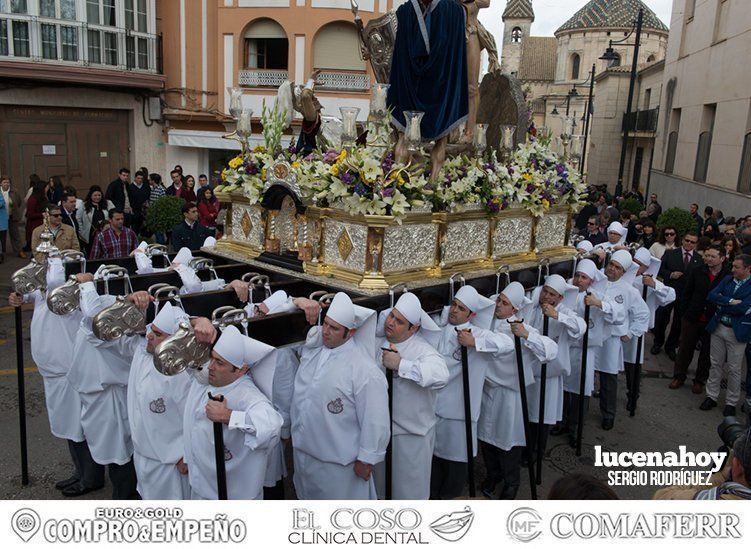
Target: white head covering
x=409, y=306
x=559, y=285
x=616, y=227
x=210, y=242
x=142, y=246
x=584, y=246
x=643, y=256
x=183, y=256
x=344, y=312
x=514, y=292
x=623, y=258
x=168, y=319
x=483, y=307
x=276, y=301
x=239, y=350
x=588, y=267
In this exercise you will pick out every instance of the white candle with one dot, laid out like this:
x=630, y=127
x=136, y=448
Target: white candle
x=235, y=102
x=378, y=101
x=243, y=123
x=349, y=122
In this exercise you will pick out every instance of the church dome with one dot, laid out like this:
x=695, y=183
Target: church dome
x=612, y=14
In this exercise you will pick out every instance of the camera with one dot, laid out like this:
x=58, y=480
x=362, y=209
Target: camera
x=729, y=431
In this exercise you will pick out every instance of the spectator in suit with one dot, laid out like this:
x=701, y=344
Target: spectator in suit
x=203, y=182
x=117, y=193
x=731, y=330
x=190, y=233
x=140, y=191
x=68, y=209
x=675, y=266
x=696, y=313
x=593, y=232
x=583, y=216
x=693, y=209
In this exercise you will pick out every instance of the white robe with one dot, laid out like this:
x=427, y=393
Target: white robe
x=656, y=297
x=450, y=429
x=600, y=321
x=193, y=285
x=287, y=363
x=609, y=357
x=253, y=429
x=52, y=339
x=339, y=415
x=501, y=422
x=569, y=327
x=422, y=372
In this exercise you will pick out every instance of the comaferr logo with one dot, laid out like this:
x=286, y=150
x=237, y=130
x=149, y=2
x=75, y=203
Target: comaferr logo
x=524, y=524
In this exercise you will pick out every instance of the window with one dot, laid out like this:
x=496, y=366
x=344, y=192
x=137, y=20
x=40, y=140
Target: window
x=4, y=37
x=95, y=45
x=143, y=53
x=744, y=177
x=702, y=157
x=266, y=46
x=49, y=41
x=647, y=98
x=516, y=35
x=335, y=48
x=110, y=48
x=20, y=38
x=13, y=6
x=135, y=15
x=575, y=63
x=672, y=147
x=101, y=12
x=69, y=41
x=59, y=9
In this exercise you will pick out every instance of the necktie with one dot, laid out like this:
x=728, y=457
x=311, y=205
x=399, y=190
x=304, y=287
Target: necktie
x=686, y=259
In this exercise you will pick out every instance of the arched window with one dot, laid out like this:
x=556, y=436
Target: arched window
x=516, y=35
x=575, y=63
x=265, y=46
x=744, y=178
x=702, y=157
x=670, y=157
x=336, y=47
x=651, y=59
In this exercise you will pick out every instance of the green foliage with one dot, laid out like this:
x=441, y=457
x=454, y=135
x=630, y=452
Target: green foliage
x=164, y=214
x=273, y=126
x=679, y=218
x=632, y=205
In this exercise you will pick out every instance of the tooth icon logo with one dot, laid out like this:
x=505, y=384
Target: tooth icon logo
x=25, y=523
x=453, y=526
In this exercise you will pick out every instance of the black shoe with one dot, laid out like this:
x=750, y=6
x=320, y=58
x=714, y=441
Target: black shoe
x=671, y=354
x=79, y=489
x=728, y=411
x=61, y=484
x=596, y=394
x=655, y=350
x=607, y=424
x=708, y=404
x=559, y=430
x=508, y=492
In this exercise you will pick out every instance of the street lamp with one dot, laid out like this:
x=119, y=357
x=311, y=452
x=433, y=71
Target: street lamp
x=611, y=56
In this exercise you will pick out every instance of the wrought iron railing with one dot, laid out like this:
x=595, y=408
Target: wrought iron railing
x=262, y=78
x=641, y=121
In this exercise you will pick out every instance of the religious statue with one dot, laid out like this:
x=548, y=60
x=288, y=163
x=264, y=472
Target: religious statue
x=429, y=73
x=474, y=48
x=302, y=99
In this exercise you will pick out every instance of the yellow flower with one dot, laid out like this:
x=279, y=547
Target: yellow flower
x=334, y=170
x=224, y=175
x=342, y=156
x=259, y=149
x=400, y=179
x=263, y=174
x=295, y=164
x=545, y=203
x=236, y=162
x=527, y=177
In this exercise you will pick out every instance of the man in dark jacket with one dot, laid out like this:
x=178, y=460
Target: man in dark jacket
x=117, y=193
x=139, y=194
x=696, y=312
x=593, y=232
x=675, y=266
x=190, y=233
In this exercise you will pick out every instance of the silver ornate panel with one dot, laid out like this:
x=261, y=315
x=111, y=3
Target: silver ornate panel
x=334, y=234
x=466, y=241
x=512, y=235
x=247, y=224
x=408, y=247
x=551, y=231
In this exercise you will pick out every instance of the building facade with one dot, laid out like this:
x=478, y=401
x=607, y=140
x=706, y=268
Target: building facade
x=212, y=46
x=81, y=85
x=703, y=153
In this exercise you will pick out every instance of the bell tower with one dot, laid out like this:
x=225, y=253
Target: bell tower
x=517, y=26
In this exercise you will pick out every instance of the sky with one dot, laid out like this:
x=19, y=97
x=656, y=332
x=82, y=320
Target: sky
x=551, y=14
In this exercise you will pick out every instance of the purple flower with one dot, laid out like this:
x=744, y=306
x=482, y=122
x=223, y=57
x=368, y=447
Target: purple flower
x=330, y=156
x=361, y=189
x=504, y=204
x=347, y=178
x=560, y=169
x=387, y=192
x=251, y=168
x=292, y=149
x=493, y=205
x=530, y=188
x=489, y=167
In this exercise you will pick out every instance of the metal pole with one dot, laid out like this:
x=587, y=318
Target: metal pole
x=586, y=120
x=525, y=412
x=636, y=381
x=389, y=465
x=582, y=382
x=221, y=472
x=21, y=398
x=631, y=85
x=541, y=411
x=468, y=422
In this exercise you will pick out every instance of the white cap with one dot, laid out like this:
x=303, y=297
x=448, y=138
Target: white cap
x=643, y=257
x=616, y=227
x=210, y=242
x=584, y=246
x=344, y=312
x=588, y=267
x=142, y=246
x=239, y=350
x=514, y=292
x=183, y=257
x=623, y=258
x=557, y=284
x=275, y=301
x=409, y=306
x=483, y=307
x=168, y=319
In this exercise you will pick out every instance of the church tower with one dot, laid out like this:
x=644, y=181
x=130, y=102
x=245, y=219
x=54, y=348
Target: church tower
x=517, y=26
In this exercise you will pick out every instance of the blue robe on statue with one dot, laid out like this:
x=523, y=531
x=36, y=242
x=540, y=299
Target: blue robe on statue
x=429, y=67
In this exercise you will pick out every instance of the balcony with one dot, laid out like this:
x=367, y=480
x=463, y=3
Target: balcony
x=43, y=48
x=641, y=122
x=262, y=78
x=343, y=81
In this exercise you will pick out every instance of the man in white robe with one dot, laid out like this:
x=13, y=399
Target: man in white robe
x=181, y=265
x=609, y=359
x=467, y=318
x=418, y=371
x=591, y=283
x=643, y=274
x=52, y=338
x=500, y=427
x=339, y=414
x=555, y=299
x=241, y=371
